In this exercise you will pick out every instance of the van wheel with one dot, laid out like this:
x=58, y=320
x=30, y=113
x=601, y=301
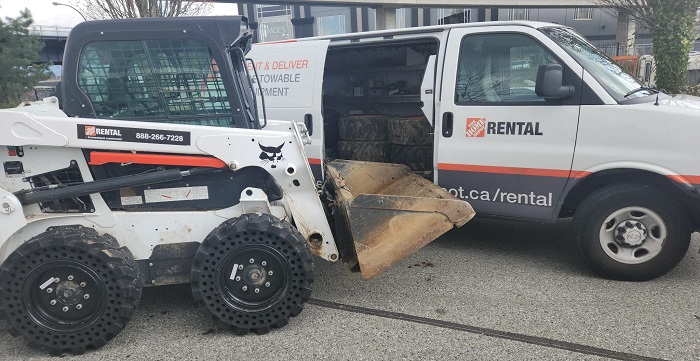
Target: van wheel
x=416, y=157
x=631, y=232
x=410, y=131
x=252, y=273
x=370, y=151
x=364, y=127
x=68, y=290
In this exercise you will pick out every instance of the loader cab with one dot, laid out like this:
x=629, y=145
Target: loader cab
x=188, y=70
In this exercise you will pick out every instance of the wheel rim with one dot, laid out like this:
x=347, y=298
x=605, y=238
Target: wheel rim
x=63, y=295
x=633, y=235
x=253, y=278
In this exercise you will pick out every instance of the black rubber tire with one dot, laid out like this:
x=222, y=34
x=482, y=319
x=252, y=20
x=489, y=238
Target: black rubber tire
x=364, y=127
x=603, y=203
x=416, y=157
x=114, y=287
x=410, y=131
x=251, y=236
x=367, y=151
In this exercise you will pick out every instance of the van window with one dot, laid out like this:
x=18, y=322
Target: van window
x=499, y=68
x=176, y=81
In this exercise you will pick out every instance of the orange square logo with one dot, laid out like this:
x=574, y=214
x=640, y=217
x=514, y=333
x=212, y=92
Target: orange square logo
x=476, y=127
x=90, y=131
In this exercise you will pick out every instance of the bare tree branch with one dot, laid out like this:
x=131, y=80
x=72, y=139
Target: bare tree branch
x=120, y=9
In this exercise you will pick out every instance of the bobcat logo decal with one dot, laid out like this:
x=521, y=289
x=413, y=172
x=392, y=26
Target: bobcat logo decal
x=271, y=154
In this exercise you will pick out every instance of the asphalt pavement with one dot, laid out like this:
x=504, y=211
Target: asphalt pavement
x=492, y=290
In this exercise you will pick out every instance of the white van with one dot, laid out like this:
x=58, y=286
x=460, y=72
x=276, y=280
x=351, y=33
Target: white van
x=524, y=120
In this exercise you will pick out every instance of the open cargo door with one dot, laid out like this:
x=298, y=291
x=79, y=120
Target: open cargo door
x=291, y=77
x=384, y=213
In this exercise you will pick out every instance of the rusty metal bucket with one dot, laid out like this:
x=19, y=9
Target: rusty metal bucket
x=385, y=213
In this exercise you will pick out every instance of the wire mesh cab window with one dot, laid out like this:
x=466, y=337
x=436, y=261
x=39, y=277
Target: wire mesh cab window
x=499, y=68
x=176, y=81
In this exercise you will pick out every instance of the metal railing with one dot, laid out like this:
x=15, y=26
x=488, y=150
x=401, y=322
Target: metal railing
x=617, y=49
x=50, y=31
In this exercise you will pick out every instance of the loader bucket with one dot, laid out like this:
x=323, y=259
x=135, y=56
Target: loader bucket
x=385, y=213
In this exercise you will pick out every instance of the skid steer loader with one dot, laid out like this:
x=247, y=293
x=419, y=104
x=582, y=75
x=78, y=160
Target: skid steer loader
x=153, y=168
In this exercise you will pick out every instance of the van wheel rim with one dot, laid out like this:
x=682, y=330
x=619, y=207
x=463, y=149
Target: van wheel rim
x=633, y=235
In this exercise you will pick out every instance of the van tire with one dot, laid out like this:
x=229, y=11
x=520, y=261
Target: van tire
x=364, y=127
x=370, y=151
x=615, y=228
x=410, y=131
x=416, y=157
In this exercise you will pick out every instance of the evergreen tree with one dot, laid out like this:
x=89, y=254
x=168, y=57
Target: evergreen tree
x=19, y=52
x=672, y=26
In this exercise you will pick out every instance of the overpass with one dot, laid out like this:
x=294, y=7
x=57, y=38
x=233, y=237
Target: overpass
x=54, y=38
x=431, y=3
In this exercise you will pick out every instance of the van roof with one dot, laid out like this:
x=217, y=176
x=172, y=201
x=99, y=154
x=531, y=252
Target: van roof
x=424, y=30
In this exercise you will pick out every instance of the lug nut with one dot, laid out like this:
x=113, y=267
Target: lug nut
x=240, y=266
x=56, y=280
x=53, y=302
x=251, y=260
x=78, y=306
x=49, y=290
x=267, y=284
x=257, y=290
x=263, y=263
x=86, y=296
x=269, y=273
x=83, y=284
x=65, y=308
x=238, y=278
x=70, y=278
x=245, y=288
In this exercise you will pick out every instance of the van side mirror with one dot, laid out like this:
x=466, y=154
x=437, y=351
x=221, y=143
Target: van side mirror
x=550, y=83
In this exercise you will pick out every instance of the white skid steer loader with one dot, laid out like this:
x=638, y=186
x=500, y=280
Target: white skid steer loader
x=156, y=170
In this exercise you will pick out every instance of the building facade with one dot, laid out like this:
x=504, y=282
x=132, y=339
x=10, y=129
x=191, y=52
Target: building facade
x=282, y=22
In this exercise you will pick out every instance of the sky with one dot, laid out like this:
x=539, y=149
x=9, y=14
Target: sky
x=45, y=13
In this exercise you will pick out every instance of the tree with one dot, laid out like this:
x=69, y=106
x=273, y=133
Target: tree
x=19, y=52
x=120, y=9
x=672, y=27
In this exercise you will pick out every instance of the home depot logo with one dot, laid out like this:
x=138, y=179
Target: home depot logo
x=476, y=127
x=90, y=131
x=479, y=128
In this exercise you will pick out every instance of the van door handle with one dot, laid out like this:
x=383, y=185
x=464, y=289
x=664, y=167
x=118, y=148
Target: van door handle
x=309, y=121
x=447, y=123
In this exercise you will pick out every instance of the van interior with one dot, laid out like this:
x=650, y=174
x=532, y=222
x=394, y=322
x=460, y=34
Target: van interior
x=381, y=79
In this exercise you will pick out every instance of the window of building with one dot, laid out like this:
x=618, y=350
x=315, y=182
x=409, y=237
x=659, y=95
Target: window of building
x=519, y=14
x=583, y=14
x=274, y=22
x=499, y=68
x=400, y=18
x=453, y=16
x=330, y=25
x=178, y=80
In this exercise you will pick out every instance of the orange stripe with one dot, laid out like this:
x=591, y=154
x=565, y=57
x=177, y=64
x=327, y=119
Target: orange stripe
x=314, y=161
x=278, y=42
x=99, y=158
x=540, y=172
x=686, y=179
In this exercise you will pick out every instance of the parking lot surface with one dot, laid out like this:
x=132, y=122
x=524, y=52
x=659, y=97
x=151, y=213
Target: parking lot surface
x=489, y=291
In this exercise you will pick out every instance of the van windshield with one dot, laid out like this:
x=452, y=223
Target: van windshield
x=614, y=78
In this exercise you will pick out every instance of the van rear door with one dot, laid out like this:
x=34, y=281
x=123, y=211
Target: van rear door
x=291, y=77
